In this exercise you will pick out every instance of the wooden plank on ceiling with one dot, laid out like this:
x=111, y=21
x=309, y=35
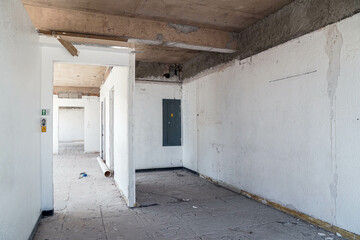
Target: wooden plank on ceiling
x=136, y=29
x=69, y=47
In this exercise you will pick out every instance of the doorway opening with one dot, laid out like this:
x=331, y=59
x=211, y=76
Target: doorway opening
x=71, y=130
x=71, y=89
x=77, y=130
x=103, y=130
x=111, y=128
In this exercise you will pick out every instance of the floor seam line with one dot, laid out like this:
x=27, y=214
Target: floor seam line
x=102, y=220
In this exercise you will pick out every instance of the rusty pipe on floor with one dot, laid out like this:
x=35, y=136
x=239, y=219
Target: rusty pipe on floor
x=104, y=168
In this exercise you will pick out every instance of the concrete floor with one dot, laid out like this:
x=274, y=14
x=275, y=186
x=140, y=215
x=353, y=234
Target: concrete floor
x=71, y=148
x=180, y=205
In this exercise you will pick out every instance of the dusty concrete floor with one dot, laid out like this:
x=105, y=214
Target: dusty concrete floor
x=70, y=148
x=188, y=208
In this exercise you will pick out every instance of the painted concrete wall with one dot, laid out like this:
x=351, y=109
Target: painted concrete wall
x=284, y=124
x=121, y=80
x=52, y=52
x=20, y=63
x=91, y=130
x=71, y=124
x=343, y=78
x=105, y=89
x=148, y=131
x=189, y=123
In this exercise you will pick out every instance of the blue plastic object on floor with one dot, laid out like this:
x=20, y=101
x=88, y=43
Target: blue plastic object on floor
x=83, y=174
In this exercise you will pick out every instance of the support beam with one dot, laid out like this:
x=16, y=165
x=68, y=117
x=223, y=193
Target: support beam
x=144, y=53
x=68, y=45
x=134, y=29
x=86, y=91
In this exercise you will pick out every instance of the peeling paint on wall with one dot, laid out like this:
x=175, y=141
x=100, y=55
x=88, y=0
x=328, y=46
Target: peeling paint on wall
x=333, y=50
x=282, y=143
x=294, y=20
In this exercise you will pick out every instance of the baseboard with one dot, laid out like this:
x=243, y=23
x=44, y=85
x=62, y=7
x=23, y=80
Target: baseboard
x=32, y=234
x=159, y=169
x=47, y=213
x=317, y=222
x=314, y=221
x=166, y=169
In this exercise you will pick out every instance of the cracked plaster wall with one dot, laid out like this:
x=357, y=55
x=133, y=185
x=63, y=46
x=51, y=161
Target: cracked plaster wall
x=284, y=124
x=294, y=20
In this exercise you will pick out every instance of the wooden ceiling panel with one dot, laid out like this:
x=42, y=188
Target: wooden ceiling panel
x=76, y=75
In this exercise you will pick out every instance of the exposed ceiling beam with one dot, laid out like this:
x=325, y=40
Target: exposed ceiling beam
x=144, y=53
x=133, y=29
x=68, y=45
x=87, y=91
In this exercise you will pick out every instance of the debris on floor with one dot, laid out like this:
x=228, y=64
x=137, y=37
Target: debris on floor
x=83, y=174
x=95, y=209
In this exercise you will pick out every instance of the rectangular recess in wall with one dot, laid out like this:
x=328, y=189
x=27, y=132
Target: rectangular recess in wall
x=171, y=122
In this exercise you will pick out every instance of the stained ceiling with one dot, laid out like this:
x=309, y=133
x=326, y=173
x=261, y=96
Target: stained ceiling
x=85, y=79
x=171, y=31
x=229, y=15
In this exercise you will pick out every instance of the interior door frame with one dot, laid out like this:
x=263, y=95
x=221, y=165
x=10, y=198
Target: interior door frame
x=102, y=130
x=52, y=51
x=111, y=128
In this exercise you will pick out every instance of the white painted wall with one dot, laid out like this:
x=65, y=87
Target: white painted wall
x=20, y=63
x=52, y=52
x=71, y=124
x=91, y=112
x=345, y=62
x=189, y=125
x=122, y=80
x=292, y=140
x=149, y=151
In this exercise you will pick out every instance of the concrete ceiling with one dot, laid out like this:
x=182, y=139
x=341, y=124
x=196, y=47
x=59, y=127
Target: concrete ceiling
x=179, y=29
x=229, y=15
x=85, y=79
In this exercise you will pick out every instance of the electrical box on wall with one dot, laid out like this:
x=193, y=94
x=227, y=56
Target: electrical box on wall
x=171, y=122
